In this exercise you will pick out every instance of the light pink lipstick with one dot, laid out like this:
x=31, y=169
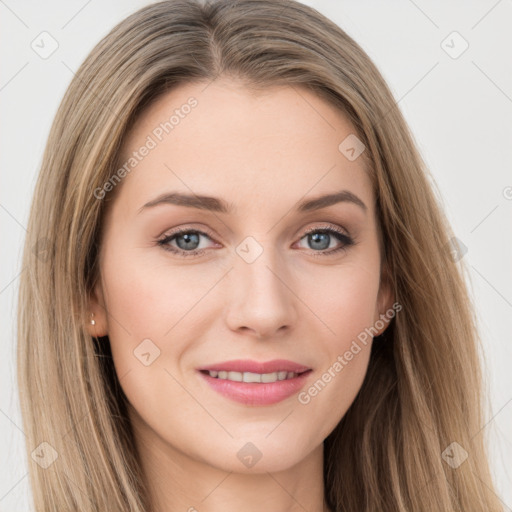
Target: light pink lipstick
x=256, y=383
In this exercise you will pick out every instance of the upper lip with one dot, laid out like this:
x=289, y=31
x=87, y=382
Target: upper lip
x=248, y=365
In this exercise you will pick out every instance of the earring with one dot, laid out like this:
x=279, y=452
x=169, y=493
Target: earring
x=93, y=322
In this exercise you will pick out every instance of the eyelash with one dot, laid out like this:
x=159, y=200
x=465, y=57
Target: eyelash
x=346, y=240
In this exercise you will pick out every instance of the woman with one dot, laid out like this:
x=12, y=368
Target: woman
x=248, y=297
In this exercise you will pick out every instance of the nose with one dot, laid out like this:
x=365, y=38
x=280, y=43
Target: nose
x=261, y=299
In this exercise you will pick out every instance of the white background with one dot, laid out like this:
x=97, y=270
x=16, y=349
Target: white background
x=459, y=111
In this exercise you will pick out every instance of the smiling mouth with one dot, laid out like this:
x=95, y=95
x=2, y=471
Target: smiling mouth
x=250, y=377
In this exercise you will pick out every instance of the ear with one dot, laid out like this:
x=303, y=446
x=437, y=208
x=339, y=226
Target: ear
x=384, y=310
x=97, y=312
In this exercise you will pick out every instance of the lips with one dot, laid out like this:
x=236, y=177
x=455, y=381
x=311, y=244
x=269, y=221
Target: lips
x=256, y=383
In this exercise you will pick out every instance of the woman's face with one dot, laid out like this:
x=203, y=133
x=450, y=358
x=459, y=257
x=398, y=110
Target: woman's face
x=263, y=272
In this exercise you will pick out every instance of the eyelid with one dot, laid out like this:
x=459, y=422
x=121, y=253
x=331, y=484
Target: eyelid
x=334, y=227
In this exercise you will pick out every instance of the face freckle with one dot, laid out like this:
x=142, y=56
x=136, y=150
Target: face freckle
x=232, y=175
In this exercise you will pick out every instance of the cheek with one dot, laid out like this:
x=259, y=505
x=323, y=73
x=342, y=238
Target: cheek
x=344, y=299
x=347, y=311
x=149, y=305
x=147, y=298
x=350, y=305
x=155, y=312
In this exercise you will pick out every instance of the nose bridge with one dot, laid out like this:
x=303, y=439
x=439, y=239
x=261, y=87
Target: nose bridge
x=260, y=299
x=259, y=267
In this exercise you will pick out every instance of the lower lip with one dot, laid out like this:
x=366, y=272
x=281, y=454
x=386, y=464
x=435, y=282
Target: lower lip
x=254, y=393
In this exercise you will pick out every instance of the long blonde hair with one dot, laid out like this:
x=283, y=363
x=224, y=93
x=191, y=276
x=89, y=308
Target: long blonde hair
x=422, y=391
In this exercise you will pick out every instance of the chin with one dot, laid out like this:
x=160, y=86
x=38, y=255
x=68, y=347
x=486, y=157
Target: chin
x=259, y=456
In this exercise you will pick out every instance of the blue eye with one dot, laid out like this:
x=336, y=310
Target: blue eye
x=185, y=242
x=321, y=238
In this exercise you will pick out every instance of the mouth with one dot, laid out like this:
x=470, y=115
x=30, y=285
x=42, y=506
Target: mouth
x=251, y=377
x=256, y=383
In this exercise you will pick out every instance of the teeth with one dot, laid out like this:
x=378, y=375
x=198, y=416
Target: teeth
x=253, y=377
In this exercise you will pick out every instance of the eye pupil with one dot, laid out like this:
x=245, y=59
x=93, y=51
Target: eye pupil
x=317, y=238
x=190, y=240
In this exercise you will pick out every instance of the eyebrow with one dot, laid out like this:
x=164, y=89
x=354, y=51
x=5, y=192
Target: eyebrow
x=214, y=204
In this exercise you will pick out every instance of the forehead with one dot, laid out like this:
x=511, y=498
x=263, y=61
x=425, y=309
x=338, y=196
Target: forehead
x=222, y=139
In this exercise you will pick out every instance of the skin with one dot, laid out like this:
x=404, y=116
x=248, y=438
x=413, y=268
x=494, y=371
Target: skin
x=263, y=153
